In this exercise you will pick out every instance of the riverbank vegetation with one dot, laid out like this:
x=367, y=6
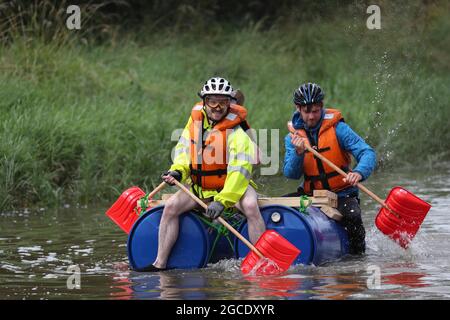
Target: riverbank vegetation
x=87, y=113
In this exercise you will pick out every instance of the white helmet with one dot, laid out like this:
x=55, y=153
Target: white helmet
x=216, y=85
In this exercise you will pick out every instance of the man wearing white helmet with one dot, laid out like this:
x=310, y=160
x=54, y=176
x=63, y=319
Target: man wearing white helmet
x=214, y=155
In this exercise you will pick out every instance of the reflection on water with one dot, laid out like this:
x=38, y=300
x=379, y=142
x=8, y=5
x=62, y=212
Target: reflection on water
x=210, y=284
x=36, y=249
x=410, y=279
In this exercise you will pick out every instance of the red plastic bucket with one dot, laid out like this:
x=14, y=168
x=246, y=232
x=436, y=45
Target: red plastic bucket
x=122, y=211
x=274, y=247
x=411, y=211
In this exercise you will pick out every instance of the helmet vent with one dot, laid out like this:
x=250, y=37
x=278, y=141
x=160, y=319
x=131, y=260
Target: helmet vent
x=308, y=93
x=218, y=86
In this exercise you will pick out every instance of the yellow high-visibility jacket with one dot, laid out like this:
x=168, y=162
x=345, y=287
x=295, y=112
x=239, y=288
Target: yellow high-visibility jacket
x=241, y=154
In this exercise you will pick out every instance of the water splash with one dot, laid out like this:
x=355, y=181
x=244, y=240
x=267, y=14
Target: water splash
x=265, y=266
x=384, y=246
x=229, y=265
x=302, y=268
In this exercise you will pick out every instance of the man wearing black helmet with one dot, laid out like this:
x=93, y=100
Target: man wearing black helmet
x=325, y=130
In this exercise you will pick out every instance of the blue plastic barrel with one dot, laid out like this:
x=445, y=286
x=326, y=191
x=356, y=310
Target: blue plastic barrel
x=319, y=238
x=191, y=249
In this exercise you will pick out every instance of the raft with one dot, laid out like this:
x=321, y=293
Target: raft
x=319, y=238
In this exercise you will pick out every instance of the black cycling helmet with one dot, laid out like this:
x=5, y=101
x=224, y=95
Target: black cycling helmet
x=308, y=93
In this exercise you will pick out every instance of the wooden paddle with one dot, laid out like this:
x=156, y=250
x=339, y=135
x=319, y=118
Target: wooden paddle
x=221, y=220
x=409, y=213
x=342, y=172
x=161, y=186
x=272, y=253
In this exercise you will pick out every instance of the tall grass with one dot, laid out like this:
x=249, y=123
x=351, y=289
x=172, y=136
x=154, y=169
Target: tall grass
x=46, y=19
x=80, y=122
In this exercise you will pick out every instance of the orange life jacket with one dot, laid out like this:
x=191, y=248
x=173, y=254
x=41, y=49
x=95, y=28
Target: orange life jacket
x=209, y=154
x=318, y=174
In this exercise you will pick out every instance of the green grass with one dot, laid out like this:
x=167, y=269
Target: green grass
x=81, y=122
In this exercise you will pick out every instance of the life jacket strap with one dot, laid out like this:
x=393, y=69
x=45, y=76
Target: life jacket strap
x=322, y=177
x=204, y=173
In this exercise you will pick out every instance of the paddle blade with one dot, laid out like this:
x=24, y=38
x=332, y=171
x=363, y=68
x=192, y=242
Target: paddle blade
x=277, y=250
x=411, y=212
x=122, y=211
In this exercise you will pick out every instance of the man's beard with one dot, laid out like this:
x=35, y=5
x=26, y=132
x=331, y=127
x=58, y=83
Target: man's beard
x=213, y=115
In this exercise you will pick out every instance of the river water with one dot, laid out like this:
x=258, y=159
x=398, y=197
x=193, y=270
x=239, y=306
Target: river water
x=38, y=248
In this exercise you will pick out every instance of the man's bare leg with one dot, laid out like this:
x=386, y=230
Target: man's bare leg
x=248, y=205
x=178, y=204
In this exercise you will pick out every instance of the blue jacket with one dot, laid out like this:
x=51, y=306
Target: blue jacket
x=348, y=140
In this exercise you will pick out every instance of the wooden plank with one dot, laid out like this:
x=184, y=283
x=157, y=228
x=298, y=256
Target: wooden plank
x=326, y=201
x=285, y=201
x=156, y=203
x=334, y=203
x=332, y=213
x=295, y=201
x=166, y=196
x=324, y=193
x=288, y=202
